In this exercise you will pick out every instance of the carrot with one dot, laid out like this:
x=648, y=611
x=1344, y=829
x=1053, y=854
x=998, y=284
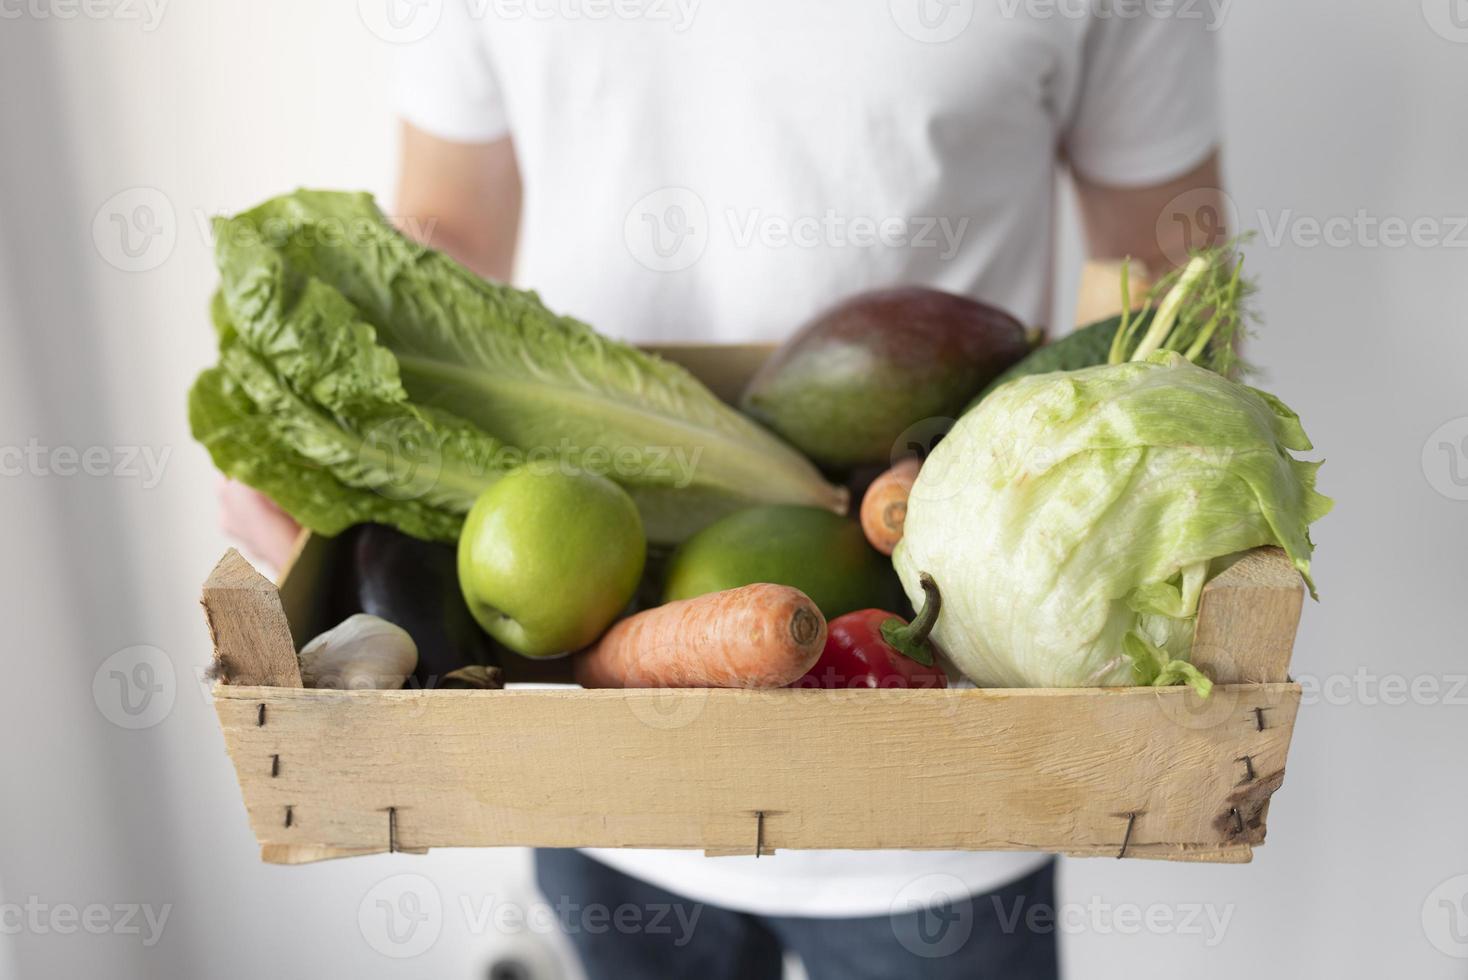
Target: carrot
x=884, y=508
x=756, y=636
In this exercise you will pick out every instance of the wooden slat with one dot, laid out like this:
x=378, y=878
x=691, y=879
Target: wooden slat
x=252, y=640
x=986, y=770
x=1247, y=618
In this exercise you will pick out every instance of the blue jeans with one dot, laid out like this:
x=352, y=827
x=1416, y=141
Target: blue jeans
x=622, y=928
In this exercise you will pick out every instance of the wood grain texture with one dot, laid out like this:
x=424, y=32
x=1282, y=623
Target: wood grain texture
x=252, y=640
x=1247, y=618
x=1047, y=770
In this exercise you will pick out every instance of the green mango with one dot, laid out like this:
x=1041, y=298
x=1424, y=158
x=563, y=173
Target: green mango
x=850, y=384
x=822, y=554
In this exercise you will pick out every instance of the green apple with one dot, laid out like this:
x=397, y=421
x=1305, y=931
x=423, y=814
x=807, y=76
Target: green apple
x=548, y=559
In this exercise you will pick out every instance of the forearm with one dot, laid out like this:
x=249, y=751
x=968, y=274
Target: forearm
x=461, y=198
x=1159, y=225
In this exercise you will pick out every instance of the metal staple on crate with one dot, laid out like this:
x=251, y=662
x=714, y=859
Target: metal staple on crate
x=759, y=832
x=1131, y=818
x=260, y=717
x=274, y=766
x=1238, y=819
x=289, y=814
x=392, y=830
x=1248, y=762
x=1259, y=719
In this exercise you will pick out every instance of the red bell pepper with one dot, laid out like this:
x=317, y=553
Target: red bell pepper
x=873, y=648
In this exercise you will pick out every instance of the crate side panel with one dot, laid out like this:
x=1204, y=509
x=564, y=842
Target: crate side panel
x=1043, y=770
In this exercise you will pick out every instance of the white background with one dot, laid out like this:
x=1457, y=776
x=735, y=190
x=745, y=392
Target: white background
x=1332, y=109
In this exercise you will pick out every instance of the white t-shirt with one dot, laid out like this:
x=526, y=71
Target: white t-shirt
x=719, y=171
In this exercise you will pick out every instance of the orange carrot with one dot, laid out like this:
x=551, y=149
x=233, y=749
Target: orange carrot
x=755, y=636
x=884, y=508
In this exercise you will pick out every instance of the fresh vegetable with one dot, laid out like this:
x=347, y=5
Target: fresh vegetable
x=361, y=653
x=547, y=560
x=884, y=506
x=1071, y=518
x=759, y=635
x=474, y=678
x=414, y=584
x=1083, y=347
x=815, y=551
x=366, y=378
x=876, y=649
x=1202, y=317
x=851, y=381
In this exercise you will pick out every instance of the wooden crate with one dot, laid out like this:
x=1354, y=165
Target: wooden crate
x=1134, y=772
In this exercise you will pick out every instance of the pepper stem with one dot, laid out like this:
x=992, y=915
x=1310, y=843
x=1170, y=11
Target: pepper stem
x=911, y=639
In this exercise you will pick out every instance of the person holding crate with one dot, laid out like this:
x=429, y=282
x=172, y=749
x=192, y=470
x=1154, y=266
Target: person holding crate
x=718, y=173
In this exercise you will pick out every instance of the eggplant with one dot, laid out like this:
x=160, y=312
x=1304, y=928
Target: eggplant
x=412, y=584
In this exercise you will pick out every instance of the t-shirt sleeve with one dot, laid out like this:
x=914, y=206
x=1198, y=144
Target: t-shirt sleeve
x=1147, y=108
x=444, y=83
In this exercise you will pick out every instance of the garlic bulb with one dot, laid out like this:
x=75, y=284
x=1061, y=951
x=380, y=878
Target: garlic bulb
x=361, y=653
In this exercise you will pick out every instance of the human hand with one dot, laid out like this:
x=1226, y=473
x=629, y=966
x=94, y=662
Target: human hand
x=265, y=532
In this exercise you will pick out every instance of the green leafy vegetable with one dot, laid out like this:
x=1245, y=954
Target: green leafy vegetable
x=1071, y=517
x=363, y=376
x=1198, y=310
